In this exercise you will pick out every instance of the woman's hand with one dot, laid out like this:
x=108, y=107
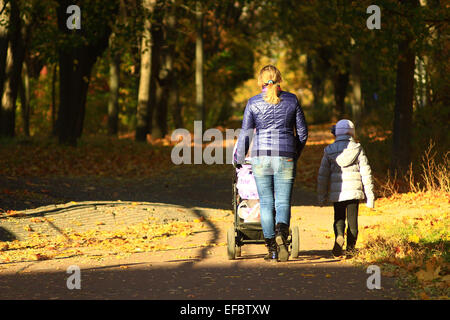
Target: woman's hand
x=237, y=165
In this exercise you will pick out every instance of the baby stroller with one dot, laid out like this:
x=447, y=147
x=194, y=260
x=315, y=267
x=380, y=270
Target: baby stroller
x=247, y=228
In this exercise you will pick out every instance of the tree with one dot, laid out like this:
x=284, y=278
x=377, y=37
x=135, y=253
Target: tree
x=78, y=53
x=158, y=84
x=4, y=20
x=24, y=91
x=199, y=61
x=404, y=97
x=114, y=85
x=13, y=70
x=355, y=75
x=144, y=107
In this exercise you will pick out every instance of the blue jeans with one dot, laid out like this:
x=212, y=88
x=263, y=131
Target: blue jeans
x=274, y=178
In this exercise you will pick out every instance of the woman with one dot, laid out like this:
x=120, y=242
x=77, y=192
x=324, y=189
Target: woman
x=275, y=114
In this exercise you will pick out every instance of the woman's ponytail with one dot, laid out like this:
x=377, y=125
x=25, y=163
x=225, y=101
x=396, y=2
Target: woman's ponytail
x=272, y=94
x=270, y=79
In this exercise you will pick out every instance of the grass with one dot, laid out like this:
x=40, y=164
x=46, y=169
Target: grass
x=413, y=241
x=415, y=249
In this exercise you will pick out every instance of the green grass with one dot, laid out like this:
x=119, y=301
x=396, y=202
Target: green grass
x=409, y=246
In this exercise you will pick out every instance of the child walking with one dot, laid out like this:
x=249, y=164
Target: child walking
x=345, y=179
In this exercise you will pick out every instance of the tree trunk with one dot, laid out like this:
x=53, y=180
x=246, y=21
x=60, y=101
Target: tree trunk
x=225, y=110
x=317, y=81
x=165, y=89
x=161, y=106
x=13, y=73
x=143, y=112
x=75, y=65
x=404, y=96
x=74, y=81
x=199, y=60
x=25, y=100
x=53, y=94
x=340, y=83
x=421, y=83
x=177, y=109
x=371, y=90
x=357, y=103
x=113, y=101
x=3, y=42
x=158, y=100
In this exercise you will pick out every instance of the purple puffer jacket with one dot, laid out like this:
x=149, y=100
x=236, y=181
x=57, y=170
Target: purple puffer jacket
x=274, y=124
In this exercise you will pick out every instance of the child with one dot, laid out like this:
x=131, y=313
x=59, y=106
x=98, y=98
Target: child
x=345, y=169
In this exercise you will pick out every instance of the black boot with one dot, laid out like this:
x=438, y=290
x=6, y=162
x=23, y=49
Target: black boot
x=281, y=238
x=338, y=244
x=272, y=248
x=351, y=243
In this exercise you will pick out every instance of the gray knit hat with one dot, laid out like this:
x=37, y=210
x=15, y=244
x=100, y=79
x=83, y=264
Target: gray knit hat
x=345, y=127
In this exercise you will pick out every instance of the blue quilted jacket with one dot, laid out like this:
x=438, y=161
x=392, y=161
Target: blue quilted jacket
x=274, y=124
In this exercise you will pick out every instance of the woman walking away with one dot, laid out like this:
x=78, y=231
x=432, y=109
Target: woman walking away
x=275, y=114
x=345, y=169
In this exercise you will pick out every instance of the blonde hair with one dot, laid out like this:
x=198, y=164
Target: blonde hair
x=270, y=76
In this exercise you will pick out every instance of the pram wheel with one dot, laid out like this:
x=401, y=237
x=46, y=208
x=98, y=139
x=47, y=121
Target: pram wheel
x=231, y=244
x=295, y=241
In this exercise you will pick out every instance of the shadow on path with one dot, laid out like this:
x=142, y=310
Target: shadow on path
x=228, y=281
x=187, y=186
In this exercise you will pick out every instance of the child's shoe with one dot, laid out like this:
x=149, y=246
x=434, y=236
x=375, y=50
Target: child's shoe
x=338, y=244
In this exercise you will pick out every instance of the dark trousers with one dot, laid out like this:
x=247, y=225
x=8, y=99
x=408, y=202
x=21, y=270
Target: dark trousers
x=347, y=208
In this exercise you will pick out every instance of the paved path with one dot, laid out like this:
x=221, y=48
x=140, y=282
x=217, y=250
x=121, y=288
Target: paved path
x=191, y=273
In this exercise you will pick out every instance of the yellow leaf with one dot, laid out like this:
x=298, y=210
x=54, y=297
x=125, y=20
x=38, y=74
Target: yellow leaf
x=310, y=275
x=446, y=279
x=413, y=238
x=424, y=296
x=428, y=275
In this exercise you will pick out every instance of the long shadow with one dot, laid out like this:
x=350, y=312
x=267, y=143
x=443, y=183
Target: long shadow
x=215, y=233
x=182, y=282
x=187, y=186
x=66, y=208
x=6, y=235
x=316, y=254
x=304, y=256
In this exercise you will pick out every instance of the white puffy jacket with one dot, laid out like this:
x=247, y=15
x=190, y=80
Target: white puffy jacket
x=345, y=173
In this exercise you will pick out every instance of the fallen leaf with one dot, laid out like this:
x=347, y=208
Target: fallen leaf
x=424, y=296
x=310, y=275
